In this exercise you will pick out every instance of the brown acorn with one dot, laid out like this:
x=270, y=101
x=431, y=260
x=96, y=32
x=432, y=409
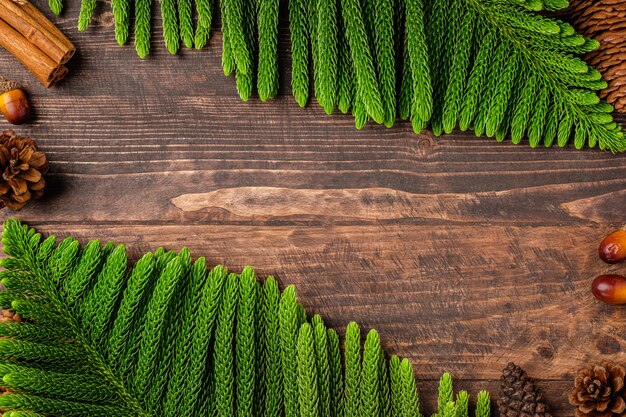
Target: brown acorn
x=13, y=102
x=610, y=288
x=613, y=248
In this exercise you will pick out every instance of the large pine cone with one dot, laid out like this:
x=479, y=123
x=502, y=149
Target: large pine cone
x=519, y=397
x=599, y=391
x=22, y=166
x=605, y=21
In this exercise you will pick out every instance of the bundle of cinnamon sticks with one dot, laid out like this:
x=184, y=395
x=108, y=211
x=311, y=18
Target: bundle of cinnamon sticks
x=34, y=40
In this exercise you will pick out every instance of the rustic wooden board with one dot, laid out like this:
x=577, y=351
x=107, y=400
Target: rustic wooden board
x=464, y=253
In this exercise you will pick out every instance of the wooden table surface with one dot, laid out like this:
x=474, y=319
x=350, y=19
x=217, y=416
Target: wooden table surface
x=464, y=253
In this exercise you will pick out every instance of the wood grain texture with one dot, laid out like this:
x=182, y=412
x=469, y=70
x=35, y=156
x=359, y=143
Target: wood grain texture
x=464, y=253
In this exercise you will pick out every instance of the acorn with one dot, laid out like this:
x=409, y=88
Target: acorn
x=613, y=247
x=610, y=289
x=13, y=102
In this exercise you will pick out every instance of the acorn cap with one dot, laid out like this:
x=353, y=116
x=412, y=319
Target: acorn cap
x=6, y=86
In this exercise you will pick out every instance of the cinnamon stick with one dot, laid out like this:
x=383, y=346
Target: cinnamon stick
x=35, y=27
x=33, y=58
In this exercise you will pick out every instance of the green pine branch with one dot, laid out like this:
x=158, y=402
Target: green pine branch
x=166, y=337
x=247, y=316
x=267, y=71
x=143, y=18
x=272, y=349
x=298, y=26
x=326, y=52
x=204, y=11
x=363, y=63
x=87, y=7
x=308, y=394
x=171, y=34
x=384, y=50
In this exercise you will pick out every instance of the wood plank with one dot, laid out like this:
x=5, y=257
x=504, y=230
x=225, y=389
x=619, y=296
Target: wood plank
x=464, y=253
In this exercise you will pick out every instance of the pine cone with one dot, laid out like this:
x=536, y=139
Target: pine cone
x=22, y=166
x=519, y=397
x=605, y=21
x=599, y=391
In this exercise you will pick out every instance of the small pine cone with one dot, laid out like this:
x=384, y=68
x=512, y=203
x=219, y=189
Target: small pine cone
x=519, y=397
x=599, y=391
x=23, y=167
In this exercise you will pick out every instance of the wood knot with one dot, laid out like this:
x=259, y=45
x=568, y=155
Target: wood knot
x=424, y=145
x=545, y=352
x=608, y=345
x=106, y=19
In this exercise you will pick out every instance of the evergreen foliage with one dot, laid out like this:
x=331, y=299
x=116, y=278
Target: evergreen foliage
x=246, y=339
x=56, y=6
x=385, y=52
x=272, y=353
x=502, y=68
x=323, y=366
x=171, y=29
x=204, y=11
x=308, y=385
x=185, y=22
x=298, y=26
x=143, y=17
x=87, y=8
x=245, y=79
x=267, y=24
x=167, y=337
x=326, y=51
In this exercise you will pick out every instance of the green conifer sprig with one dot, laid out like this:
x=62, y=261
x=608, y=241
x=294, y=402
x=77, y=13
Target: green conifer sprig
x=178, y=341
x=143, y=18
x=272, y=353
x=327, y=56
x=56, y=6
x=205, y=321
x=363, y=63
x=385, y=386
x=320, y=337
x=483, y=405
x=385, y=52
x=185, y=22
x=183, y=344
x=395, y=378
x=87, y=8
x=121, y=15
x=267, y=72
x=171, y=30
x=247, y=316
x=289, y=325
x=409, y=399
x=204, y=11
x=352, y=365
x=445, y=394
x=345, y=82
x=417, y=73
x=461, y=404
x=223, y=355
x=336, y=373
x=298, y=17
x=370, y=377
x=228, y=59
x=245, y=79
x=308, y=394
x=234, y=15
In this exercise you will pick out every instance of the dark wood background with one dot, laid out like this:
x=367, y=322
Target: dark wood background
x=464, y=253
